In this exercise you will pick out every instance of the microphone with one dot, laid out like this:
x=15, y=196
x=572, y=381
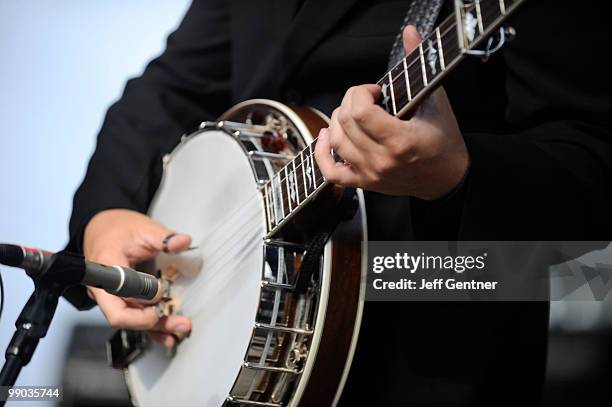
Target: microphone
x=116, y=280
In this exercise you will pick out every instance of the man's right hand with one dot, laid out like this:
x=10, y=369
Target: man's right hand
x=125, y=238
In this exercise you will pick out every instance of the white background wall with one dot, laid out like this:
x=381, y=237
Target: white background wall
x=62, y=63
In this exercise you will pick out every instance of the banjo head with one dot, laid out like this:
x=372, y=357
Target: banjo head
x=208, y=191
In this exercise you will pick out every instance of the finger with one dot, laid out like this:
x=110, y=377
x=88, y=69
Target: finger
x=411, y=38
x=173, y=324
x=341, y=143
x=166, y=340
x=345, y=117
x=120, y=315
x=332, y=171
x=373, y=120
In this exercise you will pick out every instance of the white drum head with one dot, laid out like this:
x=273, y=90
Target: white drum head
x=208, y=191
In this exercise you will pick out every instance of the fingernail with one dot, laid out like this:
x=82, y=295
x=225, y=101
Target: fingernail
x=181, y=328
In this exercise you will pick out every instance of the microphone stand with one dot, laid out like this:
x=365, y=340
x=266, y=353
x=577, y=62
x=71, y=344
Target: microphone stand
x=65, y=269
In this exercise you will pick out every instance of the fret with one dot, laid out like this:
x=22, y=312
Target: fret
x=440, y=49
x=423, y=64
x=502, y=7
x=392, y=93
x=408, y=91
x=479, y=16
x=399, y=87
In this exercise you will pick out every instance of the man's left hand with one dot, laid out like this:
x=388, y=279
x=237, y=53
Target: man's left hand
x=424, y=156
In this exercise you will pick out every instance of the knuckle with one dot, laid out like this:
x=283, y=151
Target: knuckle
x=350, y=92
x=383, y=167
x=399, y=148
x=361, y=114
x=344, y=118
x=335, y=113
x=372, y=179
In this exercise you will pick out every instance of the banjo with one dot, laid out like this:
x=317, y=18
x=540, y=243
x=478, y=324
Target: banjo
x=275, y=282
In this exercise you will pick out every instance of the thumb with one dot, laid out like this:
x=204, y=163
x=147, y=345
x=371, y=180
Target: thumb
x=411, y=38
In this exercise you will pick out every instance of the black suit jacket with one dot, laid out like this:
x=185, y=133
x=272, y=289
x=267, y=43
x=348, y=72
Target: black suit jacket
x=536, y=120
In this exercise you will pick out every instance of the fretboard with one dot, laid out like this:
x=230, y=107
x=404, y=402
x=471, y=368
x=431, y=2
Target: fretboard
x=403, y=87
x=292, y=187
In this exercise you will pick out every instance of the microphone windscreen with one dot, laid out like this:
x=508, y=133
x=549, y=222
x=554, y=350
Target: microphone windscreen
x=11, y=255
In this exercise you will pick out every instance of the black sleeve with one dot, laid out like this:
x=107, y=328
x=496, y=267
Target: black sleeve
x=548, y=176
x=188, y=83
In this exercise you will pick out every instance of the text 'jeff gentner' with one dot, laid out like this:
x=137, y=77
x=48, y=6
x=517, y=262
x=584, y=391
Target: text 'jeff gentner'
x=436, y=284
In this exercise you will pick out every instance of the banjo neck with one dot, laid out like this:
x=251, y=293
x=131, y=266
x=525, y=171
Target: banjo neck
x=402, y=89
x=457, y=37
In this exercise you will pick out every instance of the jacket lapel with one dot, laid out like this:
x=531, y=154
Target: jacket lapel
x=304, y=31
x=312, y=23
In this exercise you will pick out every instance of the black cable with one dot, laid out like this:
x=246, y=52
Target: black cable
x=1, y=296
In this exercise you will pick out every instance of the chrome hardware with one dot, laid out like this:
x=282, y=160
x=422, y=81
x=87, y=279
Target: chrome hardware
x=284, y=329
x=298, y=354
x=269, y=284
x=168, y=305
x=275, y=369
x=207, y=125
x=282, y=243
x=267, y=155
x=245, y=402
x=245, y=134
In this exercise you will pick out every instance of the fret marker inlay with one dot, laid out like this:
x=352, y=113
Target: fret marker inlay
x=292, y=186
x=432, y=57
x=439, y=38
x=470, y=26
